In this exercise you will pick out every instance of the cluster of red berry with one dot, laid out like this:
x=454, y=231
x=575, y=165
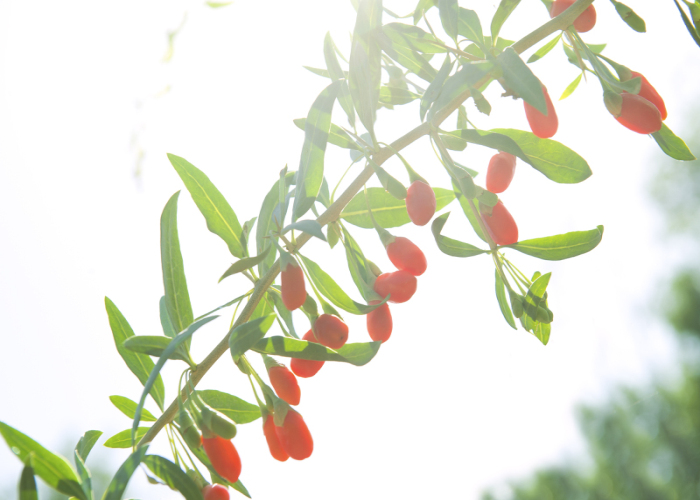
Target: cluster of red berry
x=642, y=113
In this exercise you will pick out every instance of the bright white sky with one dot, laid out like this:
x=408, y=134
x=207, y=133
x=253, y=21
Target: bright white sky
x=456, y=401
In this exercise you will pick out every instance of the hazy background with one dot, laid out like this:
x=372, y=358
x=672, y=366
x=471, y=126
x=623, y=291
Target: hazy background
x=456, y=401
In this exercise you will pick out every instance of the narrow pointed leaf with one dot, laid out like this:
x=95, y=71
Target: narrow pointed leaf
x=336, y=73
x=245, y=336
x=153, y=345
x=267, y=222
x=88, y=440
x=27, y=484
x=220, y=217
x=464, y=79
x=396, y=96
x=119, y=482
x=571, y=87
x=630, y=17
x=435, y=87
x=53, y=469
x=128, y=408
x=227, y=304
x=503, y=301
x=316, y=128
x=469, y=213
x=310, y=227
x=393, y=186
x=245, y=264
x=388, y=211
x=365, y=63
x=359, y=270
x=672, y=145
x=356, y=354
x=139, y=364
x=520, y=78
x=449, y=246
x=165, y=322
x=406, y=57
x=562, y=246
x=177, y=298
x=449, y=16
x=470, y=26
x=423, y=7
x=505, y=9
x=336, y=135
x=413, y=38
x=545, y=49
x=330, y=289
x=173, y=476
x=123, y=439
x=155, y=372
x=236, y=409
x=84, y=474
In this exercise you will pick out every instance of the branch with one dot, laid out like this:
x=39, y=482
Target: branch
x=562, y=21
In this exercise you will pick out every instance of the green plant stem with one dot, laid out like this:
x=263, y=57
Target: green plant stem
x=333, y=212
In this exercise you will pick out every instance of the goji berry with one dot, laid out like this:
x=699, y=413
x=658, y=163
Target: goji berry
x=500, y=172
x=295, y=437
x=306, y=367
x=285, y=384
x=420, y=203
x=293, y=286
x=584, y=22
x=542, y=126
x=379, y=322
x=639, y=115
x=400, y=284
x=223, y=457
x=330, y=331
x=500, y=225
x=650, y=94
x=215, y=492
x=406, y=256
x=273, y=441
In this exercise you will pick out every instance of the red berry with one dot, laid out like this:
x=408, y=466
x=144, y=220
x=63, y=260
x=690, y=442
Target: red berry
x=285, y=384
x=650, y=94
x=400, y=284
x=215, y=492
x=379, y=323
x=293, y=286
x=306, y=367
x=273, y=441
x=500, y=172
x=420, y=203
x=223, y=457
x=639, y=115
x=330, y=331
x=542, y=126
x=406, y=256
x=583, y=22
x=500, y=225
x=295, y=437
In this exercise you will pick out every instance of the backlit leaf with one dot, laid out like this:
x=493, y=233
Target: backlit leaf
x=356, y=354
x=562, y=246
x=451, y=247
x=236, y=409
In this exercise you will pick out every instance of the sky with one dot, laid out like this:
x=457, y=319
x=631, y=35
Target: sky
x=456, y=401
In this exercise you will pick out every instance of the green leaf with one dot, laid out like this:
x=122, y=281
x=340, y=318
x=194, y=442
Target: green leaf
x=337, y=73
x=393, y=186
x=177, y=298
x=365, y=63
x=316, y=128
x=266, y=220
x=503, y=302
x=545, y=49
x=236, y=409
x=505, y=9
x=672, y=145
x=246, y=335
x=220, y=217
x=139, y=364
x=217, y=5
x=406, y=57
x=571, y=87
x=165, y=322
x=123, y=439
x=318, y=71
x=155, y=372
x=520, y=78
x=173, y=476
x=412, y=38
x=88, y=440
x=227, y=304
x=542, y=331
x=387, y=210
x=310, y=227
x=630, y=17
x=245, y=264
x=128, y=408
x=27, y=484
x=396, y=96
x=422, y=7
x=53, y=469
x=153, y=345
x=116, y=487
x=470, y=26
x=449, y=246
x=556, y=161
x=359, y=269
x=464, y=79
x=435, y=87
x=356, y=354
x=283, y=313
x=449, y=16
x=453, y=143
x=336, y=136
x=561, y=246
x=330, y=289
x=471, y=216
